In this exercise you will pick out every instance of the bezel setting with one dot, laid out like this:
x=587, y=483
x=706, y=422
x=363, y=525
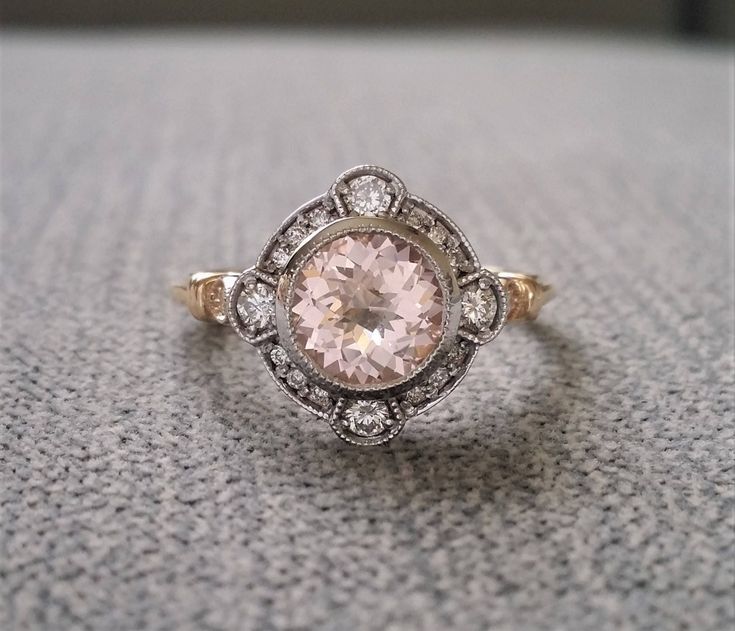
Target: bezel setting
x=368, y=199
x=351, y=225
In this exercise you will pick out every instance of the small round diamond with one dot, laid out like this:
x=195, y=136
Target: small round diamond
x=319, y=217
x=459, y=260
x=319, y=396
x=278, y=356
x=280, y=257
x=419, y=218
x=479, y=307
x=439, y=378
x=368, y=195
x=367, y=418
x=438, y=234
x=295, y=234
x=456, y=357
x=416, y=395
x=296, y=379
x=256, y=305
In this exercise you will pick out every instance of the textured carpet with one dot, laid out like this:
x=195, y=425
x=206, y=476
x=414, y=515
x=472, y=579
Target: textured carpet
x=154, y=478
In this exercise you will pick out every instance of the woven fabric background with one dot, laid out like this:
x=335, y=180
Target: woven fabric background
x=154, y=478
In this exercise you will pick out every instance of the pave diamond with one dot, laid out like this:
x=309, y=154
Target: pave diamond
x=416, y=395
x=296, y=379
x=439, y=378
x=278, y=356
x=368, y=195
x=319, y=396
x=319, y=217
x=367, y=418
x=295, y=235
x=256, y=305
x=438, y=234
x=367, y=309
x=479, y=307
x=418, y=218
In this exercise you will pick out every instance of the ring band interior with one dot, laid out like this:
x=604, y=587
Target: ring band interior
x=205, y=294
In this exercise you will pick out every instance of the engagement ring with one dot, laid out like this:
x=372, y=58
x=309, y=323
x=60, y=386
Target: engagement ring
x=367, y=306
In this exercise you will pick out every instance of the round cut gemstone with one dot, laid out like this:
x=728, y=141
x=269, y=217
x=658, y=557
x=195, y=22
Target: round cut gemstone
x=367, y=309
x=366, y=418
x=479, y=307
x=256, y=305
x=368, y=195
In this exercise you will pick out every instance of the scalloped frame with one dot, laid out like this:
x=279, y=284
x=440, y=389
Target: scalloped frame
x=451, y=254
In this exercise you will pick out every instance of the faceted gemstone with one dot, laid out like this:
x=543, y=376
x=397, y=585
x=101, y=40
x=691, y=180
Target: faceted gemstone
x=439, y=378
x=368, y=195
x=366, y=418
x=295, y=235
x=416, y=395
x=278, y=356
x=319, y=396
x=438, y=234
x=459, y=260
x=319, y=217
x=296, y=379
x=256, y=305
x=367, y=309
x=419, y=218
x=456, y=357
x=479, y=307
x=280, y=256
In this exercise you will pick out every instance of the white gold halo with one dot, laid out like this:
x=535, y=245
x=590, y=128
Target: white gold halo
x=368, y=199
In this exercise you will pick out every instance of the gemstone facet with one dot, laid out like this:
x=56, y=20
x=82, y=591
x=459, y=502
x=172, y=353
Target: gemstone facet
x=367, y=309
x=366, y=418
x=479, y=307
x=368, y=195
x=256, y=305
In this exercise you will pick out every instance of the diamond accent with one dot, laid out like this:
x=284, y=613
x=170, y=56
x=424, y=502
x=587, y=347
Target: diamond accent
x=368, y=195
x=256, y=305
x=319, y=217
x=319, y=396
x=456, y=357
x=418, y=218
x=439, y=378
x=416, y=395
x=295, y=235
x=278, y=356
x=438, y=234
x=367, y=418
x=296, y=379
x=367, y=309
x=479, y=307
x=280, y=257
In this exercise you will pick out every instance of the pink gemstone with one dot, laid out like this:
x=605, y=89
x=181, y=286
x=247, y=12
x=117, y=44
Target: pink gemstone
x=367, y=309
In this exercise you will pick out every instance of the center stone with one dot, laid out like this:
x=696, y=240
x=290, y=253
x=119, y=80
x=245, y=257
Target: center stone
x=367, y=309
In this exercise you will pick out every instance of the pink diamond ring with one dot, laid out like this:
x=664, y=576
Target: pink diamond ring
x=368, y=305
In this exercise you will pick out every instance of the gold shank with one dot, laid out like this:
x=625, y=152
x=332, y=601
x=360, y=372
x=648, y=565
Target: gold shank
x=205, y=294
x=526, y=294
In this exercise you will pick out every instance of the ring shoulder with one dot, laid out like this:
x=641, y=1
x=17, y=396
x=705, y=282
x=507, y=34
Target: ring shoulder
x=526, y=294
x=205, y=295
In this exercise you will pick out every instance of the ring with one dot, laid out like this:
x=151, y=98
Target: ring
x=367, y=306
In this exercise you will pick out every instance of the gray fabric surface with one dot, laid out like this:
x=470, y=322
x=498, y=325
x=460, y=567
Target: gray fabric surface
x=154, y=478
